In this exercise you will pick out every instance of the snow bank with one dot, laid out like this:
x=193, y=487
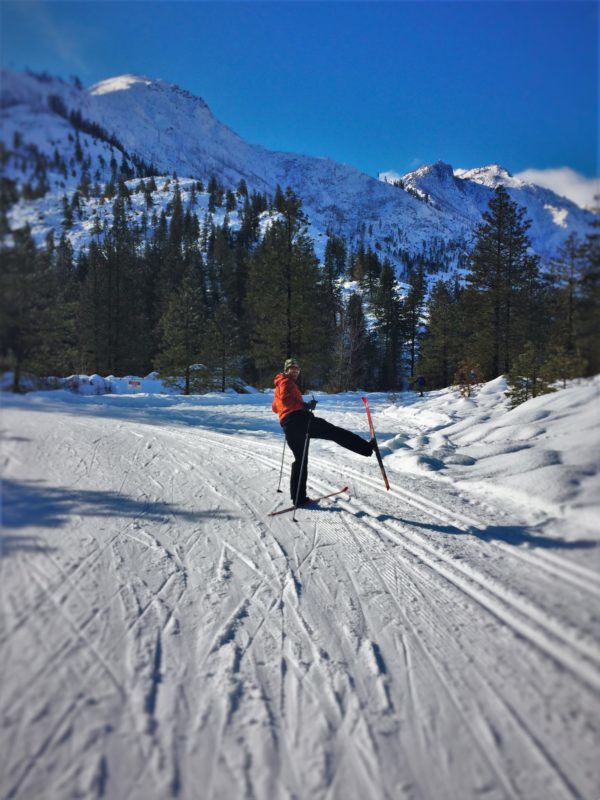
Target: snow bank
x=544, y=454
x=97, y=385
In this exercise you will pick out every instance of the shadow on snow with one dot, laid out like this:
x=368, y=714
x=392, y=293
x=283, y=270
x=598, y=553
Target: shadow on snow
x=33, y=504
x=517, y=535
x=27, y=544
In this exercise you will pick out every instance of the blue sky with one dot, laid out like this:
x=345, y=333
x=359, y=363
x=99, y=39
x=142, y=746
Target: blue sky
x=381, y=86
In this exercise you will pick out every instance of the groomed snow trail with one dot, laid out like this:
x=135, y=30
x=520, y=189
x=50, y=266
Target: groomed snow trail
x=163, y=637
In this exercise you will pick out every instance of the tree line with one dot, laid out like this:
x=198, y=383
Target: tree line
x=511, y=318
x=205, y=303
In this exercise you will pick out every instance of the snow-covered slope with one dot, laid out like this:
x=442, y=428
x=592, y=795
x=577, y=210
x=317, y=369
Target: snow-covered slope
x=166, y=126
x=467, y=193
x=163, y=637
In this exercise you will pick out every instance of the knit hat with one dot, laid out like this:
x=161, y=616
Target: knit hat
x=290, y=362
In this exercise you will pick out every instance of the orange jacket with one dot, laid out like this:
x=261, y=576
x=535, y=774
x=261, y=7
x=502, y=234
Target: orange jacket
x=287, y=396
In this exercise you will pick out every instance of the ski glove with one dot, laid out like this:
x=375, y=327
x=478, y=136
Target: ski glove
x=311, y=405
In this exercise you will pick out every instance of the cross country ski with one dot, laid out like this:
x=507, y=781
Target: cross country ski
x=375, y=445
x=312, y=503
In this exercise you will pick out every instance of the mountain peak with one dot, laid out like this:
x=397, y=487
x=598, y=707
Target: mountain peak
x=120, y=83
x=491, y=175
x=442, y=168
x=140, y=84
x=439, y=172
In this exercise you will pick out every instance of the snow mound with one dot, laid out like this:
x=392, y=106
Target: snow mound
x=544, y=454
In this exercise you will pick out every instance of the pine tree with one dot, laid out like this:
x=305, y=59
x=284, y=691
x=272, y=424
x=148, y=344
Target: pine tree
x=67, y=222
x=221, y=269
x=588, y=301
x=221, y=345
x=387, y=309
x=176, y=225
x=161, y=254
x=58, y=352
x=440, y=349
x=78, y=150
x=310, y=334
x=120, y=283
x=249, y=228
x=563, y=365
x=333, y=268
x=8, y=196
x=215, y=191
x=285, y=295
x=335, y=258
x=371, y=272
x=349, y=369
x=93, y=321
x=563, y=278
x=109, y=190
x=123, y=190
x=357, y=264
x=500, y=271
x=34, y=322
x=413, y=307
x=182, y=326
x=526, y=379
x=76, y=204
x=230, y=201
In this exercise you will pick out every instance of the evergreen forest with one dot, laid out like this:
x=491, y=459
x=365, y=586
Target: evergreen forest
x=208, y=304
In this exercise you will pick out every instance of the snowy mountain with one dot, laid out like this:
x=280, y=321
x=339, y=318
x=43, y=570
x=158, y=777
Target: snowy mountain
x=467, y=193
x=132, y=119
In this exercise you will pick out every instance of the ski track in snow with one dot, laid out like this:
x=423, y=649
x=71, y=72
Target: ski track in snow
x=163, y=637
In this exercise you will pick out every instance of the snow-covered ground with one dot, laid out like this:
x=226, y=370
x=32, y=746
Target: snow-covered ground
x=163, y=637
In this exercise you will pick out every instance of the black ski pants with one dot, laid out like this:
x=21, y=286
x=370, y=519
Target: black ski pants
x=295, y=426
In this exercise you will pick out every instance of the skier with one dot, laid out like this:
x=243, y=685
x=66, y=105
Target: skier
x=296, y=420
x=420, y=384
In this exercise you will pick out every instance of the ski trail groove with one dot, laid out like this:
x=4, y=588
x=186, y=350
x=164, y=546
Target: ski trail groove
x=505, y=607
x=496, y=769
x=549, y=636
x=578, y=575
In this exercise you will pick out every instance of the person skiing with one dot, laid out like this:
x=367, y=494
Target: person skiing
x=420, y=385
x=296, y=419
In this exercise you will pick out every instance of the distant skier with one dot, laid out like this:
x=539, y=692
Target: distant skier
x=295, y=418
x=420, y=384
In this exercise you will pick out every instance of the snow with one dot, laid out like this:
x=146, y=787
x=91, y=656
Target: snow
x=119, y=84
x=492, y=175
x=559, y=215
x=175, y=131
x=45, y=214
x=542, y=454
x=162, y=636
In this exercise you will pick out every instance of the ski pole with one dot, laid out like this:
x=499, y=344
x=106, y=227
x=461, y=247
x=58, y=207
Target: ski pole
x=281, y=470
x=302, y=467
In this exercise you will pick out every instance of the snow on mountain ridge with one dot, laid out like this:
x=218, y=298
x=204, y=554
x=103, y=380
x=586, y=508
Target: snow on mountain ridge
x=468, y=193
x=19, y=88
x=176, y=131
x=119, y=84
x=492, y=175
